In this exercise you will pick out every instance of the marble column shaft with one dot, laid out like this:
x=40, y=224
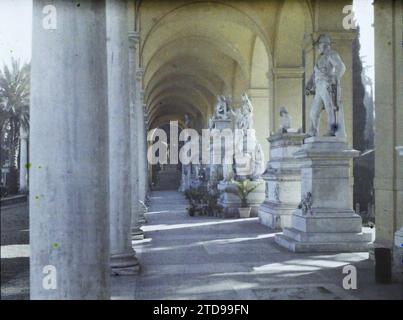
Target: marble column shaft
x=23, y=161
x=122, y=253
x=68, y=205
x=137, y=233
x=141, y=136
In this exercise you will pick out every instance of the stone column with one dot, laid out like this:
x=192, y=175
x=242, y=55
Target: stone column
x=68, y=205
x=136, y=232
x=123, y=258
x=388, y=182
x=141, y=152
x=23, y=160
x=148, y=167
x=145, y=148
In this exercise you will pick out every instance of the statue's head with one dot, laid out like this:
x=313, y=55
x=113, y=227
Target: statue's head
x=283, y=111
x=323, y=43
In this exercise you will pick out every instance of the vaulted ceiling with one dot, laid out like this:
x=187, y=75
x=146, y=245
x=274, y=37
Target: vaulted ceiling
x=193, y=51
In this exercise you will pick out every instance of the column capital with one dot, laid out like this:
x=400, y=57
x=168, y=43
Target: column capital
x=134, y=37
x=256, y=93
x=139, y=73
x=288, y=72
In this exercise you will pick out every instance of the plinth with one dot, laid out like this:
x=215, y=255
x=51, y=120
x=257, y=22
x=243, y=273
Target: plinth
x=283, y=180
x=325, y=220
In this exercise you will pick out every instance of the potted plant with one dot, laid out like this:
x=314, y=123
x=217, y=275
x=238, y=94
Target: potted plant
x=243, y=189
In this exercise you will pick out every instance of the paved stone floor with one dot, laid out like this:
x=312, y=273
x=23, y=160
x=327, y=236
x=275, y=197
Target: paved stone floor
x=14, y=270
x=186, y=257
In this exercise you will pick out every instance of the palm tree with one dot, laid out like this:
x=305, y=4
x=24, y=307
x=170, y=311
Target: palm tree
x=14, y=107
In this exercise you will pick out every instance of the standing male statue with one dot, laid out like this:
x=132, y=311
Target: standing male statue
x=325, y=85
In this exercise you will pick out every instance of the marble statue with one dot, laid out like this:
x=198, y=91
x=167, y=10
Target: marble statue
x=211, y=124
x=247, y=111
x=222, y=108
x=285, y=120
x=258, y=164
x=325, y=85
x=243, y=115
x=238, y=118
x=187, y=120
x=254, y=156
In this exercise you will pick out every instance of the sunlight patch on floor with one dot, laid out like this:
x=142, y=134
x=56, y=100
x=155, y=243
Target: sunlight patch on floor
x=160, y=227
x=15, y=251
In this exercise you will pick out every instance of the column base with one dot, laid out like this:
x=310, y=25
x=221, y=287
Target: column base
x=124, y=264
x=143, y=210
x=142, y=218
x=137, y=234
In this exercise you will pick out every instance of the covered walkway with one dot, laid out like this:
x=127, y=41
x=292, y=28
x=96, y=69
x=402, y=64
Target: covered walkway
x=185, y=257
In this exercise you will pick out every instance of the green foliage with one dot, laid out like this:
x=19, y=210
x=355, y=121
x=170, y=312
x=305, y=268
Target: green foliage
x=243, y=189
x=14, y=93
x=14, y=107
x=202, y=202
x=3, y=192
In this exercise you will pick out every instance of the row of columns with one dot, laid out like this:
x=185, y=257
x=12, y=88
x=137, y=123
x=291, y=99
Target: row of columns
x=136, y=231
x=86, y=137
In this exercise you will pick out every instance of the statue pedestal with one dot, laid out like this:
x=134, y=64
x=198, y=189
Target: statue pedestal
x=220, y=124
x=230, y=202
x=283, y=181
x=325, y=220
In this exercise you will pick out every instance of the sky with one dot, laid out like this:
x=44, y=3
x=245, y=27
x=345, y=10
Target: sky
x=15, y=30
x=363, y=13
x=16, y=25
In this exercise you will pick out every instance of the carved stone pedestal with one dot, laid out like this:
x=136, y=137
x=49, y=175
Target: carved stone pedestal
x=325, y=220
x=283, y=181
x=230, y=202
